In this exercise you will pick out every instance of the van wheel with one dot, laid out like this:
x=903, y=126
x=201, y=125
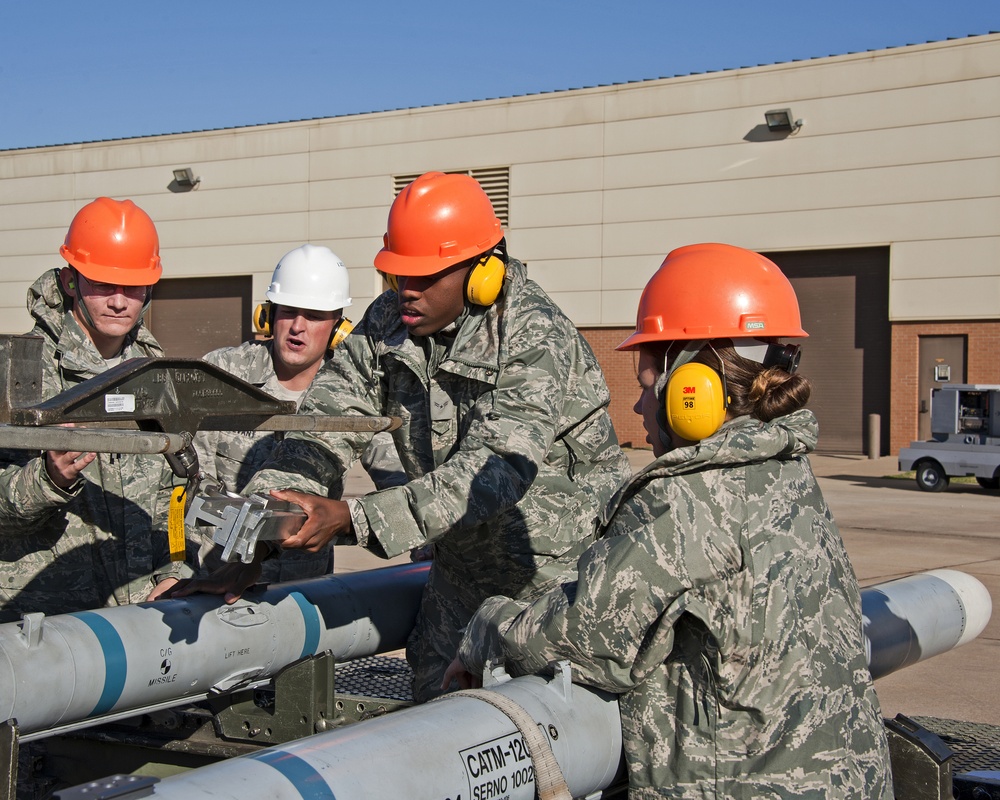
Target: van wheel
x=931, y=477
x=989, y=483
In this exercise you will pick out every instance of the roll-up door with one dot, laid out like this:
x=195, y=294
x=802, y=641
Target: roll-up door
x=191, y=316
x=844, y=300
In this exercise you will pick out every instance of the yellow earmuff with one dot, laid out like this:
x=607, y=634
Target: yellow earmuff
x=262, y=318
x=485, y=280
x=696, y=401
x=263, y=321
x=341, y=331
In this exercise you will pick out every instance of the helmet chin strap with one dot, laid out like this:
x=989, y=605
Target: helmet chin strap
x=78, y=297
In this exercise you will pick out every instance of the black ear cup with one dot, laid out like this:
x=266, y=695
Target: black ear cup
x=783, y=356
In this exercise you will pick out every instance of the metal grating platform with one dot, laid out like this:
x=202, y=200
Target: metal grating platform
x=976, y=746
x=376, y=676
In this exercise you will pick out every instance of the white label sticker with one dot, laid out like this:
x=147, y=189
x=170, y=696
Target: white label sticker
x=499, y=769
x=119, y=403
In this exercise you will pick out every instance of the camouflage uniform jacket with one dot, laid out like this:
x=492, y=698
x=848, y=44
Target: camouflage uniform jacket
x=94, y=544
x=234, y=457
x=506, y=439
x=722, y=607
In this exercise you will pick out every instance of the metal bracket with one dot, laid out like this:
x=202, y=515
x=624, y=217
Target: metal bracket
x=241, y=522
x=300, y=702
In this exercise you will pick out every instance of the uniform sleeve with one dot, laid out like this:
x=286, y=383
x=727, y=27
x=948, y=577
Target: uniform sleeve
x=206, y=444
x=27, y=494
x=614, y=624
x=381, y=462
x=503, y=448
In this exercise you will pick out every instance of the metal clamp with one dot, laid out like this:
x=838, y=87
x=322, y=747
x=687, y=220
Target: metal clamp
x=241, y=522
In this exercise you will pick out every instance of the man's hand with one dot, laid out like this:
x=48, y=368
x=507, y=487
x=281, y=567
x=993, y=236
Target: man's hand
x=326, y=519
x=230, y=580
x=457, y=672
x=64, y=468
x=160, y=589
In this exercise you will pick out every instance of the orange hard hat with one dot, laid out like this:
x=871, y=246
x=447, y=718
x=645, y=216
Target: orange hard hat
x=438, y=220
x=114, y=241
x=713, y=291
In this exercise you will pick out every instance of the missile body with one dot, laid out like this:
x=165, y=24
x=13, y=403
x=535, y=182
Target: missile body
x=455, y=747
x=110, y=663
x=919, y=616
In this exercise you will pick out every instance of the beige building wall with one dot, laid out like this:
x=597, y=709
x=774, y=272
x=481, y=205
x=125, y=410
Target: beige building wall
x=899, y=147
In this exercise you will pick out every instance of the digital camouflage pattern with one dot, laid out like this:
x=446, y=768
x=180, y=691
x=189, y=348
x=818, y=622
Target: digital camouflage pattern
x=234, y=457
x=103, y=542
x=505, y=437
x=721, y=605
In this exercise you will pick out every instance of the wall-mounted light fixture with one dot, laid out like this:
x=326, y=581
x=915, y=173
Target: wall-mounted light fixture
x=781, y=120
x=185, y=178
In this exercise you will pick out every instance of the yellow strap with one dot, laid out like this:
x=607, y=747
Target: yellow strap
x=175, y=524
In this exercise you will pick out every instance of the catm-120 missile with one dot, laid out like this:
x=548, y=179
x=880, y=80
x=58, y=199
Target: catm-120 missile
x=113, y=662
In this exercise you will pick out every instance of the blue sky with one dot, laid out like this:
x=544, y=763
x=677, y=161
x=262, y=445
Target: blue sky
x=73, y=71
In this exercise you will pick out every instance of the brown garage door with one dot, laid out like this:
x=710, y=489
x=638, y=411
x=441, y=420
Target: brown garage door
x=844, y=300
x=191, y=316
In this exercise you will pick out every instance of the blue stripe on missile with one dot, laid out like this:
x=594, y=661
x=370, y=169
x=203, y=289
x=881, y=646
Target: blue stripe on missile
x=310, y=619
x=115, y=661
x=306, y=780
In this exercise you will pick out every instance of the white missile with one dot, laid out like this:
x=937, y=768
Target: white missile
x=102, y=665
x=454, y=747
x=919, y=616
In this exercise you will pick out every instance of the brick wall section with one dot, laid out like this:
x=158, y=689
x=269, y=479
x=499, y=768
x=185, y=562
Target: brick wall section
x=983, y=367
x=620, y=373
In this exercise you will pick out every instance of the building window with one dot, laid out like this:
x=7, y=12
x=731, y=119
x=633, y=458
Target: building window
x=494, y=180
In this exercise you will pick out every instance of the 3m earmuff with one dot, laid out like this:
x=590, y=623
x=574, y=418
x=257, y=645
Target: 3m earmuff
x=696, y=400
x=482, y=284
x=485, y=280
x=263, y=322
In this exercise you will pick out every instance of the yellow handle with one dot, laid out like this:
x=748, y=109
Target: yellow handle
x=175, y=524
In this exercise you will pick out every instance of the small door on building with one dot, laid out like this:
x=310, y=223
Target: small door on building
x=192, y=316
x=941, y=360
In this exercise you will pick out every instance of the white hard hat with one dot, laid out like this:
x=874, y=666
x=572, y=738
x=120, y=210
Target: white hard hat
x=311, y=277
